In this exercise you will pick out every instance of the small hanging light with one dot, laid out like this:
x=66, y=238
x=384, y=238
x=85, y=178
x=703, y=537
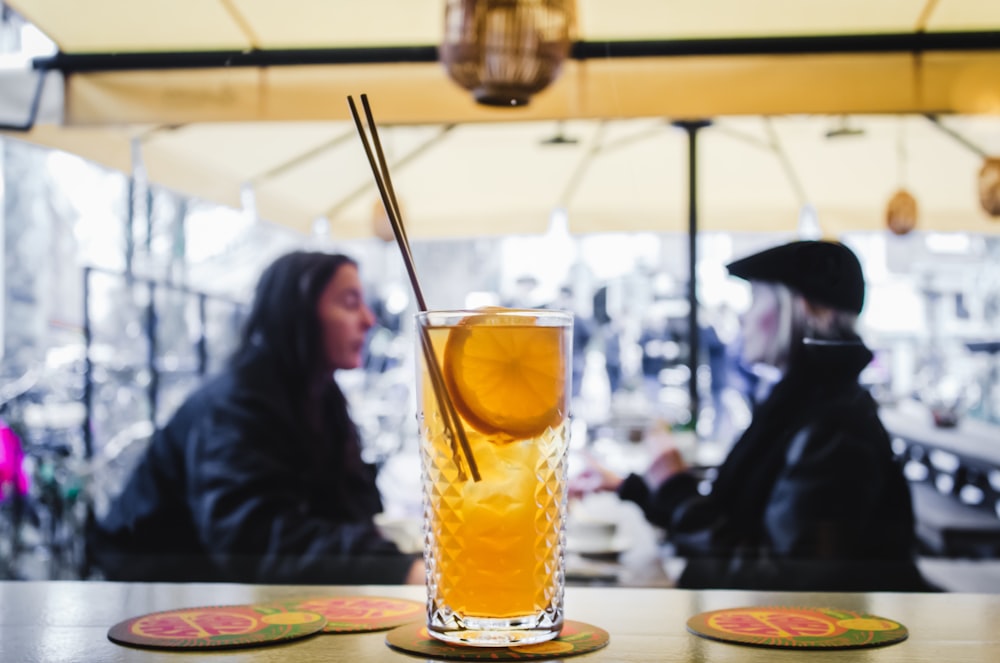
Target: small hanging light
x=901, y=212
x=505, y=51
x=989, y=186
x=381, y=226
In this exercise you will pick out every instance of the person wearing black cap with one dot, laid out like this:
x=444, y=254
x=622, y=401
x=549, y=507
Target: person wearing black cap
x=809, y=497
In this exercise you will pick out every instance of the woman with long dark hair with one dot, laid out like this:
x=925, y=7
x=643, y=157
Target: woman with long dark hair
x=258, y=477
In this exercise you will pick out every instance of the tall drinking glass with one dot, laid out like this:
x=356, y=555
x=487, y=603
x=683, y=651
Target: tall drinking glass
x=494, y=546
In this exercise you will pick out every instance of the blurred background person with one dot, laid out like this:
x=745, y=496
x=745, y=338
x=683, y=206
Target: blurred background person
x=258, y=477
x=609, y=332
x=810, y=496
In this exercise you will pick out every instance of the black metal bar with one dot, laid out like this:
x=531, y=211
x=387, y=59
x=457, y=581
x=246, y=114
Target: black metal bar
x=88, y=371
x=202, y=345
x=92, y=62
x=70, y=63
x=154, y=370
x=792, y=45
x=694, y=345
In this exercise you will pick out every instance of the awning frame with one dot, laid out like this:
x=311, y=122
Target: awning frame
x=907, y=42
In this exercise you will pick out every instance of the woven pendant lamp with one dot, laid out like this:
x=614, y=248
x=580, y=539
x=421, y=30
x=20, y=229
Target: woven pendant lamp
x=381, y=226
x=505, y=51
x=989, y=186
x=901, y=212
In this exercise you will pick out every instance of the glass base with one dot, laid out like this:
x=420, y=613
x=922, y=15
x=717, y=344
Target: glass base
x=495, y=633
x=481, y=638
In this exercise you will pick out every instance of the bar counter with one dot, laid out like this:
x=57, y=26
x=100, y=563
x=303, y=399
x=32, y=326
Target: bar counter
x=54, y=621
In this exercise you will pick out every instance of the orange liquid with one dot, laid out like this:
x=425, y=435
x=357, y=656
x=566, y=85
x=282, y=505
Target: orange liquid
x=495, y=545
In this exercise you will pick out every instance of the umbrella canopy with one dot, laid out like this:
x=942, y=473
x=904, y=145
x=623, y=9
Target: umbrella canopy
x=599, y=143
x=633, y=58
x=192, y=25
x=755, y=174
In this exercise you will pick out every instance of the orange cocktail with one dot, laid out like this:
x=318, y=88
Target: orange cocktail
x=494, y=547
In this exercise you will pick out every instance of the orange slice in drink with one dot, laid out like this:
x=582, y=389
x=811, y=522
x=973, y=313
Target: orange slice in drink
x=505, y=373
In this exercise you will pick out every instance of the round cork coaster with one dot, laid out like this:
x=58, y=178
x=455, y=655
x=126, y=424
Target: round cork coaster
x=217, y=627
x=798, y=628
x=575, y=638
x=355, y=614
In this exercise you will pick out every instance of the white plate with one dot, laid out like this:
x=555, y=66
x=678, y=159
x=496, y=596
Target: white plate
x=616, y=545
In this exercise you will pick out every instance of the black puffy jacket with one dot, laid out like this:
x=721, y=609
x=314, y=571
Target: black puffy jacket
x=809, y=498
x=234, y=488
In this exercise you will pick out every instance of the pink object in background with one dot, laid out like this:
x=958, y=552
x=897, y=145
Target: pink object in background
x=13, y=480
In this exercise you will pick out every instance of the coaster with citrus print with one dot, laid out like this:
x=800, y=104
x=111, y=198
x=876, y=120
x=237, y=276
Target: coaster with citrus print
x=800, y=628
x=217, y=627
x=575, y=638
x=354, y=614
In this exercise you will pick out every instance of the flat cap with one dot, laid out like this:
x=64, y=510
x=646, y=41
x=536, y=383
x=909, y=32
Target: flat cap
x=824, y=272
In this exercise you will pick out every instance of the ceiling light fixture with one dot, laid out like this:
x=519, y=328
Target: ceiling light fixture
x=989, y=186
x=843, y=129
x=381, y=226
x=901, y=211
x=505, y=51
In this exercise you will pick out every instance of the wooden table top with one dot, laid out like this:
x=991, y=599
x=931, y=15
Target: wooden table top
x=54, y=621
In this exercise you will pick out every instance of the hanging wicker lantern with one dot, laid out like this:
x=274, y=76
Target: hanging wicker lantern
x=381, y=225
x=989, y=186
x=901, y=212
x=505, y=51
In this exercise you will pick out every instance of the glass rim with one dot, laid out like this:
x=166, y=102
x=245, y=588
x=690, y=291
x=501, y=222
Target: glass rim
x=549, y=314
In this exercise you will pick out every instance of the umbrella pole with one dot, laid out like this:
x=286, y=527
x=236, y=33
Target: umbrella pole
x=694, y=346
